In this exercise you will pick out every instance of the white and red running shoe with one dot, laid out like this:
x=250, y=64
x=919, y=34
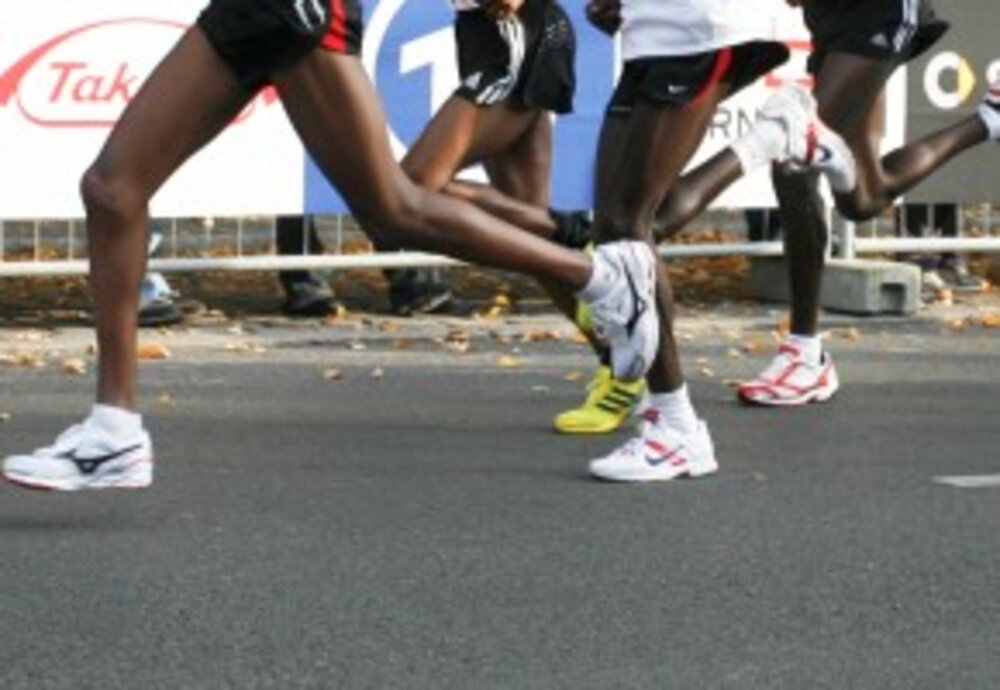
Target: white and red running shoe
x=85, y=456
x=791, y=380
x=989, y=110
x=811, y=144
x=659, y=453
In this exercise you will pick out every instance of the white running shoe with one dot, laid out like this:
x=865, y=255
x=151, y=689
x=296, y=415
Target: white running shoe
x=658, y=453
x=989, y=110
x=85, y=457
x=625, y=318
x=791, y=380
x=811, y=144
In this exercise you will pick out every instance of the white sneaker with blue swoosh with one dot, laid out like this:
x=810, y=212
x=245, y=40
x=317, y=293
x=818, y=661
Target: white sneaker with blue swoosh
x=85, y=456
x=659, y=453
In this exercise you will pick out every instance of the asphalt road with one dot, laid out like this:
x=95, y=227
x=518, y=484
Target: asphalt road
x=422, y=527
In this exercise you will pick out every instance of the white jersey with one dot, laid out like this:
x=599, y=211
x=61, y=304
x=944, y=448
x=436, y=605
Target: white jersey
x=663, y=28
x=464, y=5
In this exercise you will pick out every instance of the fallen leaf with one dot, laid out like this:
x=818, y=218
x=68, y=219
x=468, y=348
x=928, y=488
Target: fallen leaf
x=578, y=338
x=573, y=376
x=957, y=325
x=153, y=351
x=508, y=362
x=378, y=373
x=989, y=320
x=333, y=374
x=74, y=367
x=539, y=336
x=165, y=400
x=5, y=417
x=706, y=372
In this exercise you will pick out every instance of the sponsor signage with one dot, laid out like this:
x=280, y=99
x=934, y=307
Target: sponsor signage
x=68, y=68
x=946, y=84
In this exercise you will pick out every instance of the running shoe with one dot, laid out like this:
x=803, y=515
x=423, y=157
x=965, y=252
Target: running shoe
x=625, y=317
x=85, y=457
x=609, y=403
x=811, y=144
x=989, y=110
x=658, y=453
x=791, y=380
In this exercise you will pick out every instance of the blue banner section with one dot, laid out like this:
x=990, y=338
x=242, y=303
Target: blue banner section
x=414, y=54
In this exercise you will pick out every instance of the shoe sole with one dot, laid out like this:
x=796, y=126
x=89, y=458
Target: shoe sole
x=705, y=470
x=137, y=475
x=816, y=396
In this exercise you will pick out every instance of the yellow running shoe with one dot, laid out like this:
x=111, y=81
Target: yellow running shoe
x=608, y=405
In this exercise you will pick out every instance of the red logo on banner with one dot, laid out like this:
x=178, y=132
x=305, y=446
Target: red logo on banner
x=74, y=80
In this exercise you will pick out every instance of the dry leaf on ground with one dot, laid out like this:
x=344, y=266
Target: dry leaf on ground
x=74, y=367
x=508, y=362
x=153, y=351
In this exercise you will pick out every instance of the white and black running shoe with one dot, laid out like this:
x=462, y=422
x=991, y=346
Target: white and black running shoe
x=625, y=318
x=85, y=456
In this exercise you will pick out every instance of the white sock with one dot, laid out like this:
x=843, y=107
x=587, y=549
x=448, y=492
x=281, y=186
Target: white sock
x=810, y=347
x=675, y=409
x=602, y=277
x=760, y=146
x=116, y=420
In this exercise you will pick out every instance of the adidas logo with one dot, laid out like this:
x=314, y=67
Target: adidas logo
x=880, y=41
x=473, y=81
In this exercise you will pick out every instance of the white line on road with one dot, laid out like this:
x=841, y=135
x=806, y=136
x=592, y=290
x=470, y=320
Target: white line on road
x=981, y=481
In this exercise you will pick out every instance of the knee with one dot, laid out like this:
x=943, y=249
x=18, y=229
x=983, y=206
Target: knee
x=110, y=197
x=394, y=220
x=671, y=217
x=857, y=209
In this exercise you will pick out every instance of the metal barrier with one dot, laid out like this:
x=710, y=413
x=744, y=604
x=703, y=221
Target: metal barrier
x=58, y=248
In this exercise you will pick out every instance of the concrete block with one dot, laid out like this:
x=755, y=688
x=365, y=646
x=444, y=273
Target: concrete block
x=853, y=286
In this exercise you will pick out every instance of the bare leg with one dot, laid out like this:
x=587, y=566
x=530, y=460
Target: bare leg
x=849, y=90
x=347, y=137
x=638, y=165
x=147, y=145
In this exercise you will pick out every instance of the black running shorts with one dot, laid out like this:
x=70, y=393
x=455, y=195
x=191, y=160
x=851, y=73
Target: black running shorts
x=895, y=30
x=529, y=63
x=682, y=80
x=258, y=37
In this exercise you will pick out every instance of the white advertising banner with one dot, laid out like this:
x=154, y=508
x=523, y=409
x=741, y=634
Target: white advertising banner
x=67, y=70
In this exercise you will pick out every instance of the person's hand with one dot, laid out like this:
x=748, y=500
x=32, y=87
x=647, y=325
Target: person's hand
x=502, y=9
x=606, y=15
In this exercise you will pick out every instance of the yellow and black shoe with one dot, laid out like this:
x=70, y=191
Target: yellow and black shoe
x=609, y=403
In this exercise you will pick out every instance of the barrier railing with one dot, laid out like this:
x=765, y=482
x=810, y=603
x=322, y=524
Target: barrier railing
x=58, y=248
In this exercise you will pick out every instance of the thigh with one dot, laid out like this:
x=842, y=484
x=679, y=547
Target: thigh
x=523, y=170
x=188, y=99
x=655, y=145
x=461, y=134
x=333, y=107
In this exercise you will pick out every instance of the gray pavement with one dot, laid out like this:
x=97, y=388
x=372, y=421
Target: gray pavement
x=413, y=523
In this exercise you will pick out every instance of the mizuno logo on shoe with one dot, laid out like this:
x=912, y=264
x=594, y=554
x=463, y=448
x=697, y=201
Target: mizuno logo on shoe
x=89, y=465
x=639, y=304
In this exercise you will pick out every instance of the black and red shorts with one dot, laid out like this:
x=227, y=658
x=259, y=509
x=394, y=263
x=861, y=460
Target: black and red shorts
x=893, y=30
x=256, y=38
x=682, y=80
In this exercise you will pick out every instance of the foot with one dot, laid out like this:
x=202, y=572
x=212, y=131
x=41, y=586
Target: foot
x=311, y=297
x=624, y=317
x=810, y=143
x=85, y=457
x=156, y=303
x=609, y=403
x=956, y=275
x=989, y=110
x=427, y=299
x=659, y=453
x=791, y=380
